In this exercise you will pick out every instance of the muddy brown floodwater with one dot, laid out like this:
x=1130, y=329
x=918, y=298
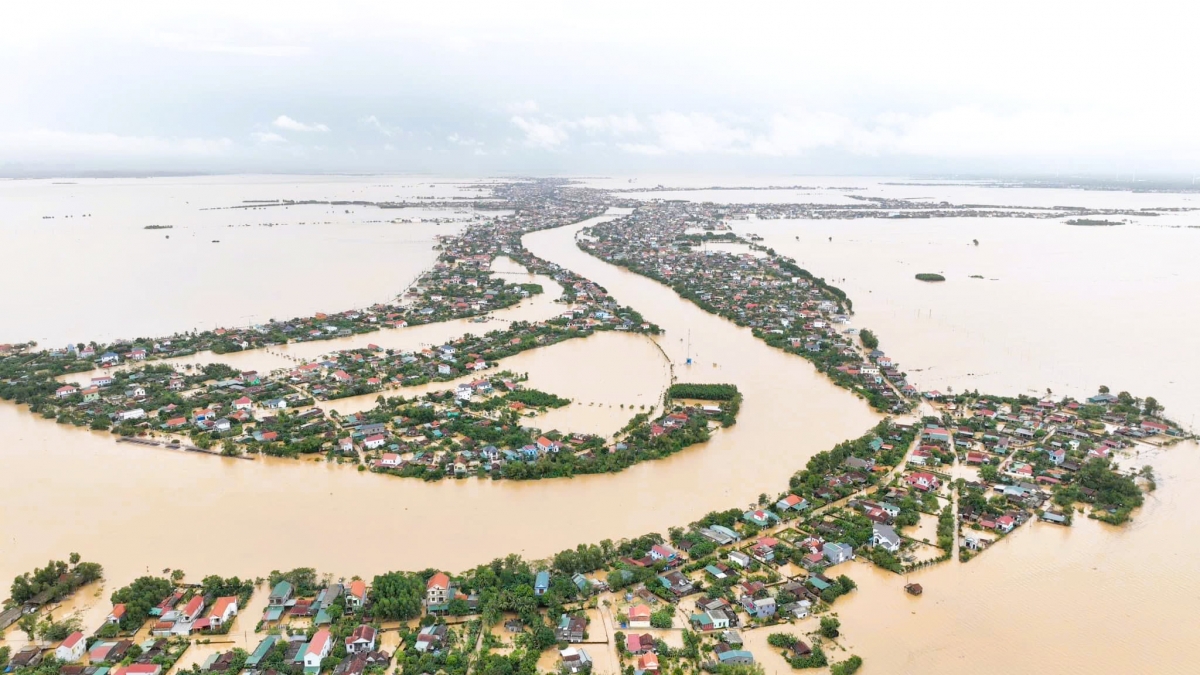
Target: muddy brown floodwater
x=139, y=510
x=1063, y=307
x=1086, y=599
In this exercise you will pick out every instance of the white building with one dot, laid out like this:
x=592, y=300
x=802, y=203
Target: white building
x=71, y=649
x=318, y=649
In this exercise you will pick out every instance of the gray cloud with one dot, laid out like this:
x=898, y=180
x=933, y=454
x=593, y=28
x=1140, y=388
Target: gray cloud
x=787, y=86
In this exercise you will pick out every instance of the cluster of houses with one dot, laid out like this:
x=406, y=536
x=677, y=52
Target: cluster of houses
x=785, y=306
x=402, y=445
x=123, y=657
x=180, y=615
x=184, y=613
x=460, y=284
x=174, y=616
x=1027, y=450
x=216, y=400
x=372, y=369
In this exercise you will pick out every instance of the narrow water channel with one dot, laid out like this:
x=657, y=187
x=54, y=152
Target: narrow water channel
x=137, y=509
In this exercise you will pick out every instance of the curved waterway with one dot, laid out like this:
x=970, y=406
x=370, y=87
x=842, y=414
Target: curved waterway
x=1086, y=599
x=139, y=510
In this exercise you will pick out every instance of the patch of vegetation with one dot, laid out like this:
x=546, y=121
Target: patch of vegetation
x=930, y=276
x=841, y=586
x=303, y=579
x=816, y=659
x=781, y=640
x=139, y=598
x=56, y=580
x=945, y=529
x=537, y=399
x=50, y=630
x=847, y=667
x=397, y=596
x=703, y=392
x=663, y=618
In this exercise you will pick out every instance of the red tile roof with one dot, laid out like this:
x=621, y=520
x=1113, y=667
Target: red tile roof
x=193, y=605
x=72, y=639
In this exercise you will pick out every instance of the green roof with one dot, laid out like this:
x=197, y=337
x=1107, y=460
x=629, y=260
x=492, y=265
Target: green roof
x=282, y=589
x=273, y=613
x=260, y=652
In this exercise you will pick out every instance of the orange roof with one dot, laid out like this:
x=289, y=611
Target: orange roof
x=440, y=580
x=221, y=605
x=358, y=588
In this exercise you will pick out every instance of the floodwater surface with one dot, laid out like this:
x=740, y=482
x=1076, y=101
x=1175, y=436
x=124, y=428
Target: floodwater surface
x=1072, y=308
x=137, y=509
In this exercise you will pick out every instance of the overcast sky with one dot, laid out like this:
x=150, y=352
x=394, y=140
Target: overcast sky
x=804, y=87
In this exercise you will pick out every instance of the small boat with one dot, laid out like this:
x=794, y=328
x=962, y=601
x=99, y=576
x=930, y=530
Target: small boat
x=216, y=241
x=913, y=589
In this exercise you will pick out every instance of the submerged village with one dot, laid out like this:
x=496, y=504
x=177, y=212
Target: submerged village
x=939, y=480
